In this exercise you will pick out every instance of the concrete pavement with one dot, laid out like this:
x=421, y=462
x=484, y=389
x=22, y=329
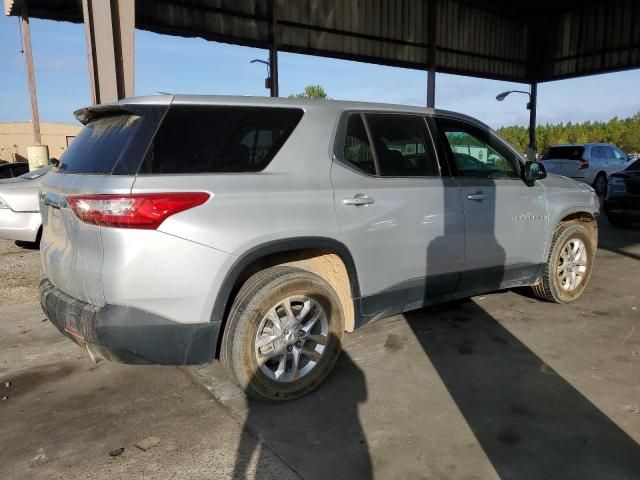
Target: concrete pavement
x=503, y=386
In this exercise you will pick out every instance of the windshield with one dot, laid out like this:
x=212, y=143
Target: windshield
x=33, y=174
x=564, y=153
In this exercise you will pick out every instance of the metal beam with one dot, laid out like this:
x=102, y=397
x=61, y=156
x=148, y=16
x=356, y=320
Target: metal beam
x=109, y=29
x=432, y=32
x=273, y=49
x=431, y=88
x=28, y=58
x=531, y=153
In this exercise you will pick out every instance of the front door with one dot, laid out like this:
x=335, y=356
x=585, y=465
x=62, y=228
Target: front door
x=505, y=219
x=401, y=220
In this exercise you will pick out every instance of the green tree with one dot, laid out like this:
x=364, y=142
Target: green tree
x=625, y=133
x=311, y=91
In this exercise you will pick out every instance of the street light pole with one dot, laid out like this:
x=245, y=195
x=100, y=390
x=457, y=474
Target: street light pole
x=531, y=106
x=267, y=81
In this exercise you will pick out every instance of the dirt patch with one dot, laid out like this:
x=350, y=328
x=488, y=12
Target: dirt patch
x=19, y=273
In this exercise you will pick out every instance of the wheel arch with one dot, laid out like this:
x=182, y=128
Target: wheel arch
x=301, y=252
x=585, y=218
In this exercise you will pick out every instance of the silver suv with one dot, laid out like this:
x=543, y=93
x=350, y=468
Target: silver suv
x=183, y=229
x=591, y=163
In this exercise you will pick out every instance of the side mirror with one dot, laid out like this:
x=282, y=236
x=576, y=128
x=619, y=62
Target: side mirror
x=533, y=171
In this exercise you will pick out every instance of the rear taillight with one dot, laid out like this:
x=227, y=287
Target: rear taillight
x=583, y=164
x=145, y=211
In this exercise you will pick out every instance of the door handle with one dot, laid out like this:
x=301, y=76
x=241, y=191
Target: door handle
x=477, y=197
x=358, y=200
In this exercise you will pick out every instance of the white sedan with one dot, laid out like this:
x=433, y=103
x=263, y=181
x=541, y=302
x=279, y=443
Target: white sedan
x=19, y=208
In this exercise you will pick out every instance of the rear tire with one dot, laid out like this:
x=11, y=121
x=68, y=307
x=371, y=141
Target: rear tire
x=568, y=268
x=600, y=184
x=283, y=334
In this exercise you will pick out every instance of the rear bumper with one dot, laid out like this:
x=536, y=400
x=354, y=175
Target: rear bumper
x=129, y=335
x=22, y=226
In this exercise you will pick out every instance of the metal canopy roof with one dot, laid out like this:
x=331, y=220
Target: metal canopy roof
x=534, y=41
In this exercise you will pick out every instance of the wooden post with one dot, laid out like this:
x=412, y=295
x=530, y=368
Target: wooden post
x=28, y=58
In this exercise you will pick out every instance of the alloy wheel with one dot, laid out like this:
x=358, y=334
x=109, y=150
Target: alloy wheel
x=291, y=338
x=572, y=264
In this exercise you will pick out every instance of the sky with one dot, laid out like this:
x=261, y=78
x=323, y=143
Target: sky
x=181, y=65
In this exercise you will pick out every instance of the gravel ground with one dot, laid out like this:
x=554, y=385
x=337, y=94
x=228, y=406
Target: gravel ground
x=19, y=273
x=61, y=415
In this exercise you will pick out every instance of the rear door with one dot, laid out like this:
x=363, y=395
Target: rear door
x=103, y=158
x=563, y=160
x=401, y=219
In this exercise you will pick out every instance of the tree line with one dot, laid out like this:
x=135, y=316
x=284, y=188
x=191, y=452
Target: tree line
x=625, y=133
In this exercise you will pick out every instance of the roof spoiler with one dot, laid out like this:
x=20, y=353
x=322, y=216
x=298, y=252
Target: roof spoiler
x=85, y=115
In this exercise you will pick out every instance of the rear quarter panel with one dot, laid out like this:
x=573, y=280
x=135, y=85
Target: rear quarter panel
x=291, y=198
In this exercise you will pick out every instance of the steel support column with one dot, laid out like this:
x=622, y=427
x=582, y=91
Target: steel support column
x=28, y=58
x=432, y=32
x=431, y=88
x=273, y=49
x=109, y=28
x=531, y=152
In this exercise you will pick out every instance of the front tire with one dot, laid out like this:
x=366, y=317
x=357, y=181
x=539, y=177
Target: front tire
x=283, y=334
x=568, y=268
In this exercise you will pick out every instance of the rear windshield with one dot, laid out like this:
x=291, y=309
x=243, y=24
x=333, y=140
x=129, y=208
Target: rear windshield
x=211, y=139
x=564, y=153
x=98, y=146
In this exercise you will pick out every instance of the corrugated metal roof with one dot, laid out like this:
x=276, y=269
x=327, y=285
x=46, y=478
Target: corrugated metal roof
x=542, y=40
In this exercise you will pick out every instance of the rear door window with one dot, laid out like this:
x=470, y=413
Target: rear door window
x=99, y=145
x=388, y=145
x=608, y=153
x=357, y=150
x=216, y=139
x=401, y=145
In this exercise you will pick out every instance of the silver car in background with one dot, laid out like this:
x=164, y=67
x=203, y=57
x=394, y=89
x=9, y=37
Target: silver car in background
x=181, y=229
x=590, y=163
x=19, y=207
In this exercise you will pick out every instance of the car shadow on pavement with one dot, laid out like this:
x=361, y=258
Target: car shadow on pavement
x=619, y=240
x=319, y=434
x=529, y=420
